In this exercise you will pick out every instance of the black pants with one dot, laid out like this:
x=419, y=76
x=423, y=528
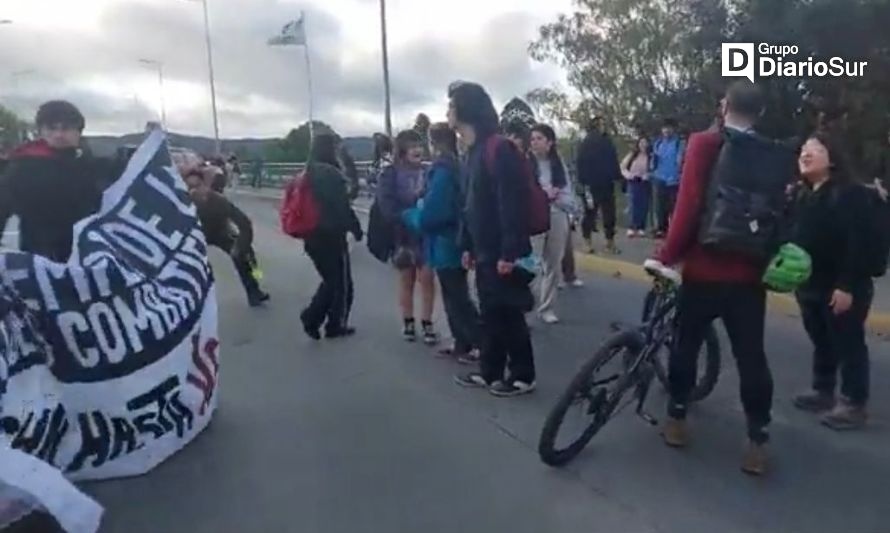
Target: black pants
x=666, y=201
x=506, y=342
x=603, y=202
x=463, y=317
x=569, y=274
x=742, y=308
x=839, y=342
x=244, y=263
x=332, y=302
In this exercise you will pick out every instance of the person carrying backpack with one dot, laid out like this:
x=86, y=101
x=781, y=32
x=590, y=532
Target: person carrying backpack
x=667, y=153
x=832, y=225
x=725, y=231
x=326, y=244
x=495, y=239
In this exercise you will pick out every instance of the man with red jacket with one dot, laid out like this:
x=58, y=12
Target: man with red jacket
x=718, y=284
x=51, y=184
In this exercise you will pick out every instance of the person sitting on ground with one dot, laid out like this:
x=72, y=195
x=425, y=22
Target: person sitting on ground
x=218, y=216
x=51, y=184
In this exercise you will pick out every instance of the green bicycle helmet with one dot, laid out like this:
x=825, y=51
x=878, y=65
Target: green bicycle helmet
x=790, y=268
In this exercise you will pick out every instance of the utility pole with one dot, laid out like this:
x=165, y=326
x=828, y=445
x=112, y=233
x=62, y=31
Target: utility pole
x=388, y=111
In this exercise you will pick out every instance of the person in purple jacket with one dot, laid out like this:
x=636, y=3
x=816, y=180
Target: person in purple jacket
x=401, y=186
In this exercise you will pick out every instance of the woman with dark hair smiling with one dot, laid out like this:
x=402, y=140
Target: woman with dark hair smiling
x=551, y=246
x=834, y=303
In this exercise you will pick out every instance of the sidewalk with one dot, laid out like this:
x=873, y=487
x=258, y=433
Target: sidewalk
x=633, y=253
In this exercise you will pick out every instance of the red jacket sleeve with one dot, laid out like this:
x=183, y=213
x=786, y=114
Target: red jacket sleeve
x=701, y=154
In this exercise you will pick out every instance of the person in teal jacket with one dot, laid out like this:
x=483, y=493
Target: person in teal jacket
x=436, y=218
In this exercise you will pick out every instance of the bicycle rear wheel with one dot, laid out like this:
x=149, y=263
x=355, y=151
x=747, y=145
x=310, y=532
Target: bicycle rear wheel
x=596, y=390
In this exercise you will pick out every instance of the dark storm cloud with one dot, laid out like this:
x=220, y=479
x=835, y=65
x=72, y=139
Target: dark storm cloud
x=249, y=72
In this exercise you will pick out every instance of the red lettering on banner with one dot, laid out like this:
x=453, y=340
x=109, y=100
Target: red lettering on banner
x=205, y=381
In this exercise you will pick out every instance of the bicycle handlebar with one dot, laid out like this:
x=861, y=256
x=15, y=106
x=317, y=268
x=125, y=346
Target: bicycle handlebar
x=657, y=269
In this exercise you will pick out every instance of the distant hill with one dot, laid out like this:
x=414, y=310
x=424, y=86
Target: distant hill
x=361, y=148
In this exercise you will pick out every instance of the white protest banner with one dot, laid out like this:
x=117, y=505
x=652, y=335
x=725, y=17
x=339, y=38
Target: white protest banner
x=109, y=363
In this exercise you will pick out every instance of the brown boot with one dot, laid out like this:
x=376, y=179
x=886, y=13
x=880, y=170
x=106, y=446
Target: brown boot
x=675, y=433
x=814, y=402
x=754, y=461
x=845, y=417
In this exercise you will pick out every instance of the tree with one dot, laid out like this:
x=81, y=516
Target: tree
x=295, y=145
x=422, y=126
x=639, y=61
x=12, y=129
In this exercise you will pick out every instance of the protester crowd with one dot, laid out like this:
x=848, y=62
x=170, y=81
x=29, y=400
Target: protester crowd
x=500, y=201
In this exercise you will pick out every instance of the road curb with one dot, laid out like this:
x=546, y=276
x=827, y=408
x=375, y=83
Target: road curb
x=878, y=321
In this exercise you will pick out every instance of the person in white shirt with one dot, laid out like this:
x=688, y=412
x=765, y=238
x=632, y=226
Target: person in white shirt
x=551, y=247
x=636, y=169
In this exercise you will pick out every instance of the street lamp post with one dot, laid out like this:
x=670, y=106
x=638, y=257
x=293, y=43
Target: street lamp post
x=388, y=111
x=209, y=43
x=160, y=68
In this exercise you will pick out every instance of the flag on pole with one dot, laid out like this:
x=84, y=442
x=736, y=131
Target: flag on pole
x=292, y=34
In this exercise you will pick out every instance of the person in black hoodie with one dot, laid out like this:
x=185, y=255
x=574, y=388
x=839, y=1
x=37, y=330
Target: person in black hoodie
x=495, y=237
x=327, y=246
x=831, y=226
x=51, y=184
x=218, y=215
x=598, y=171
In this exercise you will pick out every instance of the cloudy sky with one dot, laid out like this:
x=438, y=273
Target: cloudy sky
x=88, y=50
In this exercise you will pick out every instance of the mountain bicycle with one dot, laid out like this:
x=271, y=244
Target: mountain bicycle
x=626, y=363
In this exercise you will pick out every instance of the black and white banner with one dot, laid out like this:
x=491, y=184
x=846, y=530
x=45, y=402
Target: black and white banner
x=109, y=363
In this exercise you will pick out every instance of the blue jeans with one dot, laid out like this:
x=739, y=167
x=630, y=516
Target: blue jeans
x=640, y=192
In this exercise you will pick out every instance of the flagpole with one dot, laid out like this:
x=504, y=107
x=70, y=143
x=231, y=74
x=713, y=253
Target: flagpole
x=308, y=80
x=388, y=111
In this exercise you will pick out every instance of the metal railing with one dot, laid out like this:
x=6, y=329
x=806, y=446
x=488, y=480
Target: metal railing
x=276, y=175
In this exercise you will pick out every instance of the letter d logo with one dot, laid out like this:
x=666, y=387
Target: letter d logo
x=738, y=60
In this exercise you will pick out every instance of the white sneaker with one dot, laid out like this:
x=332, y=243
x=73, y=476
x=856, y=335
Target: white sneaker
x=562, y=285
x=631, y=233
x=549, y=317
x=578, y=283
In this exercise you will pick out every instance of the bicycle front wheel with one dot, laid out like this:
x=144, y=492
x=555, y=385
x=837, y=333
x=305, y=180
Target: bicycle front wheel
x=595, y=392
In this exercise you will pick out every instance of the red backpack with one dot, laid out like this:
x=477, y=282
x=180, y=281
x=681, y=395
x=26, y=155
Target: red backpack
x=299, y=210
x=537, y=202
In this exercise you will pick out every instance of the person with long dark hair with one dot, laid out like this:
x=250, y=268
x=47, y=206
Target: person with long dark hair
x=437, y=218
x=551, y=246
x=326, y=247
x=636, y=168
x=835, y=301
x=401, y=185
x=495, y=239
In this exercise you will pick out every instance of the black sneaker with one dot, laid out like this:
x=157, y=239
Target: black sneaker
x=311, y=331
x=430, y=337
x=511, y=389
x=258, y=298
x=340, y=333
x=409, y=331
x=473, y=380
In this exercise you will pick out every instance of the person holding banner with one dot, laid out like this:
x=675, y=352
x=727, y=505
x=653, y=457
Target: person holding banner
x=218, y=215
x=51, y=183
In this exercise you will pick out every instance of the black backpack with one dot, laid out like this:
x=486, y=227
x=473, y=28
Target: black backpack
x=745, y=200
x=877, y=228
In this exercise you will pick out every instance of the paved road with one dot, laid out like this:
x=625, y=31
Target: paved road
x=370, y=434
